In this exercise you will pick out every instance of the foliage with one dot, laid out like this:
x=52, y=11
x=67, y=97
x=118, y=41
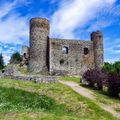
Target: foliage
x=112, y=67
x=100, y=78
x=117, y=66
x=108, y=67
x=95, y=78
x=1, y=62
x=15, y=58
x=114, y=84
x=113, y=81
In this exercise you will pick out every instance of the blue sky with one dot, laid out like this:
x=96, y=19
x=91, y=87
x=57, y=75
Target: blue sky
x=68, y=19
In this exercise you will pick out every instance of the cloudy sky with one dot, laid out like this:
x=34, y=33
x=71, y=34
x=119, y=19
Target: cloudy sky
x=68, y=19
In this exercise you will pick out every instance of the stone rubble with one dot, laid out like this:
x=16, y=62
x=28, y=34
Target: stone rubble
x=13, y=73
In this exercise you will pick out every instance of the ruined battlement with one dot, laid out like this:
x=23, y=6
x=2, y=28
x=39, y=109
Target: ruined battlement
x=62, y=56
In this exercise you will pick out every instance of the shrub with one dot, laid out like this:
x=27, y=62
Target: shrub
x=95, y=78
x=114, y=84
x=101, y=79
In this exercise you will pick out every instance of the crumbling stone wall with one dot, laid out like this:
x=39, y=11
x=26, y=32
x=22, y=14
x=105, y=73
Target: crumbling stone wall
x=61, y=56
x=25, y=55
x=71, y=56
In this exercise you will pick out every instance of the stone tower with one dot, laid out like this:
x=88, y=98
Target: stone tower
x=39, y=32
x=97, y=38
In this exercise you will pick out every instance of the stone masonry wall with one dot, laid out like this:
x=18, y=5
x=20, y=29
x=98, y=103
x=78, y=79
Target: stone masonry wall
x=62, y=56
x=74, y=61
x=97, y=39
x=39, y=32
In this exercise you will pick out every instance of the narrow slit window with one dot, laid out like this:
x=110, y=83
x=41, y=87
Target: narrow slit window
x=65, y=50
x=86, y=51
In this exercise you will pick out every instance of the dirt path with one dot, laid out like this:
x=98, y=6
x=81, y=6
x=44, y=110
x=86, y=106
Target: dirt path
x=86, y=93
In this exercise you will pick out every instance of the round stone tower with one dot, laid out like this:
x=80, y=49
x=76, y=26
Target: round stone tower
x=97, y=38
x=39, y=32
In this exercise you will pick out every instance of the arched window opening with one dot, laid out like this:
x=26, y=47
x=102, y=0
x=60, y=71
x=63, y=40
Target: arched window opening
x=65, y=50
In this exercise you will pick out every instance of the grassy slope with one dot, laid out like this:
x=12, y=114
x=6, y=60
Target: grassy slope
x=74, y=79
x=26, y=101
x=101, y=97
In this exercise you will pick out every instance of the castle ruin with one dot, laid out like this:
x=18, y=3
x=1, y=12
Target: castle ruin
x=62, y=56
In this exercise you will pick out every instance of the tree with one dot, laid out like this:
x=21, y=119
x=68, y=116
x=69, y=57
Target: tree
x=1, y=62
x=15, y=58
x=112, y=67
x=117, y=66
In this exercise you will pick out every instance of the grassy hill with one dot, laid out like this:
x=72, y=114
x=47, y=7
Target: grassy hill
x=21, y=100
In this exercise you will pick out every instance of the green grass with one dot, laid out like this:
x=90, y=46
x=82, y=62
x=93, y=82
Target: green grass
x=67, y=78
x=102, y=97
x=21, y=100
x=23, y=70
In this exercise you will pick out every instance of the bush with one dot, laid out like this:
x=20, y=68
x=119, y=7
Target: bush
x=113, y=81
x=114, y=84
x=95, y=78
x=100, y=79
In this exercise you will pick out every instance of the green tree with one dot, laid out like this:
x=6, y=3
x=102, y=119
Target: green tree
x=15, y=58
x=112, y=67
x=1, y=62
x=117, y=66
x=108, y=67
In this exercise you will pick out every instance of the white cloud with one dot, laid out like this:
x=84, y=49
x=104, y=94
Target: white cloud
x=9, y=6
x=14, y=30
x=112, y=60
x=112, y=49
x=6, y=58
x=75, y=14
x=1, y=49
x=7, y=52
x=6, y=8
